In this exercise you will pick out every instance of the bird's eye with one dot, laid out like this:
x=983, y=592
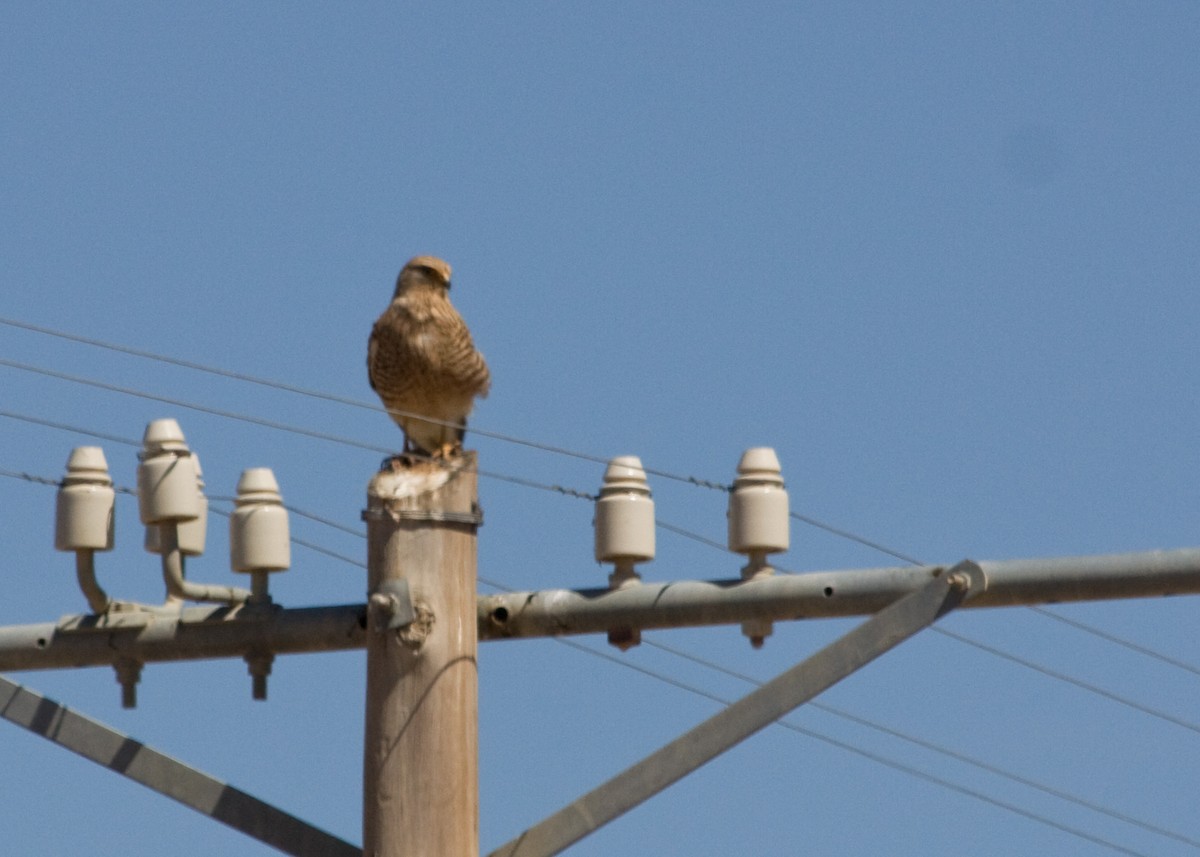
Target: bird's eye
x=433, y=274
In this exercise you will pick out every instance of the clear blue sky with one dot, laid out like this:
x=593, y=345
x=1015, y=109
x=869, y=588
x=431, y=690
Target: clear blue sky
x=943, y=257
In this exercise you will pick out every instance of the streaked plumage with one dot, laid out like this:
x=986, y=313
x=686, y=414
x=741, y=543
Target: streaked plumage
x=421, y=360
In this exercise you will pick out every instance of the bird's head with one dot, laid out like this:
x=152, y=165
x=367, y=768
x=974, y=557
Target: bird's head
x=424, y=271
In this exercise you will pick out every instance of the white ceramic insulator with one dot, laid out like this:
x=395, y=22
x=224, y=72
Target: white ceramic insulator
x=83, y=518
x=624, y=513
x=167, y=478
x=191, y=533
x=758, y=505
x=258, y=528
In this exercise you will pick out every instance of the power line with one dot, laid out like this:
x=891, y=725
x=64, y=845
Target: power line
x=962, y=638
x=316, y=548
x=1120, y=641
x=867, y=754
x=336, y=399
x=358, y=403
x=320, y=519
x=554, y=488
x=1050, y=614
x=193, y=406
x=842, y=533
x=259, y=421
x=112, y=438
x=328, y=522
x=570, y=492
x=1112, y=638
x=1095, y=689
x=516, y=480
x=55, y=483
x=29, y=477
x=312, y=546
x=688, y=534
x=1063, y=677
x=583, y=495
x=937, y=748
x=846, y=534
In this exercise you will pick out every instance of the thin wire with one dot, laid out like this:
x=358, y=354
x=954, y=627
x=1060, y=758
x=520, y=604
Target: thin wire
x=270, y=424
x=1099, y=691
x=42, y=480
x=56, y=483
x=532, y=484
x=64, y=427
x=328, y=522
x=358, y=403
x=1112, y=638
x=688, y=534
x=29, y=477
x=317, y=518
x=570, y=492
x=342, y=527
x=293, y=539
x=312, y=546
x=846, y=534
x=1013, y=658
x=962, y=638
x=707, y=542
x=1120, y=641
x=341, y=400
x=867, y=754
x=205, y=409
x=516, y=480
x=559, y=489
x=1050, y=614
x=945, y=751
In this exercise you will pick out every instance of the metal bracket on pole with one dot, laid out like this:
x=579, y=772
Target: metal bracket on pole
x=192, y=788
x=798, y=685
x=474, y=518
x=391, y=606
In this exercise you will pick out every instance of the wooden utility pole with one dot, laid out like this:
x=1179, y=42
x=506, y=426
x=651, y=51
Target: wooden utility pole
x=421, y=750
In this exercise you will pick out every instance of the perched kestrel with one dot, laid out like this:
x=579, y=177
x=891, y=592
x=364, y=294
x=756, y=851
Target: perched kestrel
x=422, y=362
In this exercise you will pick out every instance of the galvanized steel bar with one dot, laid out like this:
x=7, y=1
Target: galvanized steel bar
x=215, y=632
x=194, y=789
x=860, y=592
x=191, y=634
x=739, y=721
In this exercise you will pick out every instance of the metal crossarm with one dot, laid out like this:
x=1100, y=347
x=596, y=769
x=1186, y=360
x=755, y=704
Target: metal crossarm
x=877, y=635
x=219, y=631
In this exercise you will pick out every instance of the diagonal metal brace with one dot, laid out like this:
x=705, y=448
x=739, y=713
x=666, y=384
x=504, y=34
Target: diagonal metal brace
x=167, y=776
x=759, y=709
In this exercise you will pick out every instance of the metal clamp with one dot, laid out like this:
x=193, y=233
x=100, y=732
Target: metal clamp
x=474, y=518
x=390, y=606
